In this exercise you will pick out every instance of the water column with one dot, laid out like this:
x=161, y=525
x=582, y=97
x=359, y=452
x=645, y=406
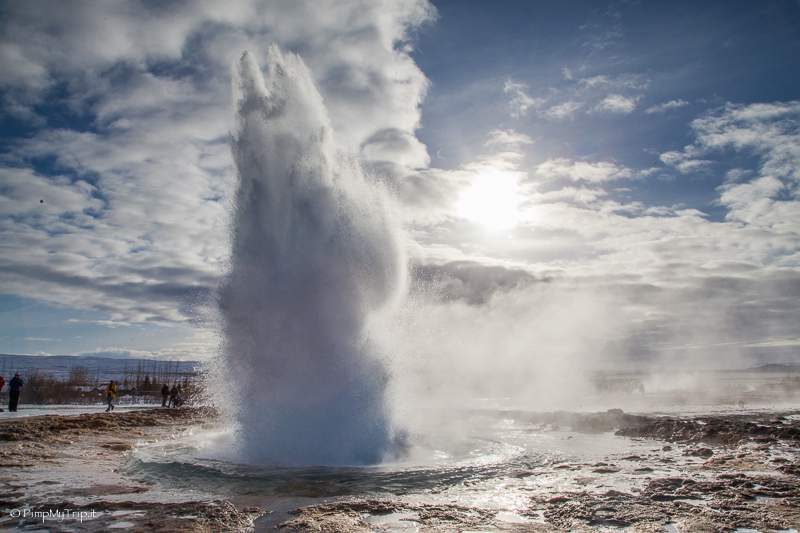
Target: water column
x=315, y=253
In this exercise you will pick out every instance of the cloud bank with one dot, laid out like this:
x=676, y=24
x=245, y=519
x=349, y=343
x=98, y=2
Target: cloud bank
x=117, y=196
x=117, y=190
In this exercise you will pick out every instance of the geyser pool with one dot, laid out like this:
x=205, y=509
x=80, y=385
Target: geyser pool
x=315, y=253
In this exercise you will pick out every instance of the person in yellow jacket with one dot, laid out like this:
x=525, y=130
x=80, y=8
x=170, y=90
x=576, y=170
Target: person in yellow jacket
x=111, y=393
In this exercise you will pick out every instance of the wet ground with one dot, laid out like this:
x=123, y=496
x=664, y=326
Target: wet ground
x=64, y=473
x=723, y=472
x=160, y=470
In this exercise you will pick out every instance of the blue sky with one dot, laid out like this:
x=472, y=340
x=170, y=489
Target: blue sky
x=702, y=54
x=638, y=160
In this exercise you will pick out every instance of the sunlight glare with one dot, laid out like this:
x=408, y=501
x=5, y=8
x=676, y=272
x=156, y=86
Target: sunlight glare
x=491, y=200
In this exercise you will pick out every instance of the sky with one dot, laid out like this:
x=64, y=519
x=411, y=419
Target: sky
x=617, y=178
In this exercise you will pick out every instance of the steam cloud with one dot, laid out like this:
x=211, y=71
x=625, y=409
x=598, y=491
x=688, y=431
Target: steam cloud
x=315, y=254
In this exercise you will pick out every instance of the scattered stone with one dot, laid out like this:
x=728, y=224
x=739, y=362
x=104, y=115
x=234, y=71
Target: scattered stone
x=349, y=516
x=118, y=446
x=699, y=452
x=729, y=501
x=713, y=429
x=610, y=469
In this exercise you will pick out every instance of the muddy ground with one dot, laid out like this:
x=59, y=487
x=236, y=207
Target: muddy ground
x=700, y=473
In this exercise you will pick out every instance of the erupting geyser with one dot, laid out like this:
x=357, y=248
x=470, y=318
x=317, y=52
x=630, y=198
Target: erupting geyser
x=315, y=253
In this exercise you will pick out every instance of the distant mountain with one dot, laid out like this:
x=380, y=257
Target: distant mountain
x=97, y=369
x=778, y=367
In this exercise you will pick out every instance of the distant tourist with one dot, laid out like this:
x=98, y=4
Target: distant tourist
x=179, y=397
x=164, y=395
x=111, y=393
x=173, y=396
x=14, y=388
x=2, y=382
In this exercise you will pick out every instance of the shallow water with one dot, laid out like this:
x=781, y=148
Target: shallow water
x=494, y=463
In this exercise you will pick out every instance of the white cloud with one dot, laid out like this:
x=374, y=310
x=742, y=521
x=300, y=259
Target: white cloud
x=666, y=106
x=25, y=192
x=684, y=161
x=589, y=94
x=619, y=82
x=571, y=195
x=751, y=196
x=563, y=110
x=767, y=197
x=520, y=102
x=617, y=103
x=771, y=131
x=679, y=277
x=369, y=80
x=639, y=281
x=507, y=138
x=134, y=220
x=597, y=172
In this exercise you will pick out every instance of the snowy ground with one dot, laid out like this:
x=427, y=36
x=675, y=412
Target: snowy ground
x=24, y=410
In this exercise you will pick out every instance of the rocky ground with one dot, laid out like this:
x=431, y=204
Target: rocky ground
x=682, y=473
x=70, y=464
x=707, y=473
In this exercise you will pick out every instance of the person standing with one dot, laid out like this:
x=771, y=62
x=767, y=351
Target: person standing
x=164, y=394
x=178, y=397
x=173, y=395
x=111, y=393
x=14, y=388
x=2, y=382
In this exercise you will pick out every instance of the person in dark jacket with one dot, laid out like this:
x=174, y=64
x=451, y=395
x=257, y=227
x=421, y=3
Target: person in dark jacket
x=14, y=388
x=2, y=382
x=178, y=397
x=164, y=394
x=173, y=396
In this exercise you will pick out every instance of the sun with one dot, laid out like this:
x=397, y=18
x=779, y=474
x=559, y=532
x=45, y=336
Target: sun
x=491, y=200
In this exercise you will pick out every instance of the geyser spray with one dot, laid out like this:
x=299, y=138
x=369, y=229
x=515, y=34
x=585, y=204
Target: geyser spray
x=315, y=254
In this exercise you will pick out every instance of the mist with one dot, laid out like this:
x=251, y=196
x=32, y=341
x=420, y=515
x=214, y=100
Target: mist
x=559, y=344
